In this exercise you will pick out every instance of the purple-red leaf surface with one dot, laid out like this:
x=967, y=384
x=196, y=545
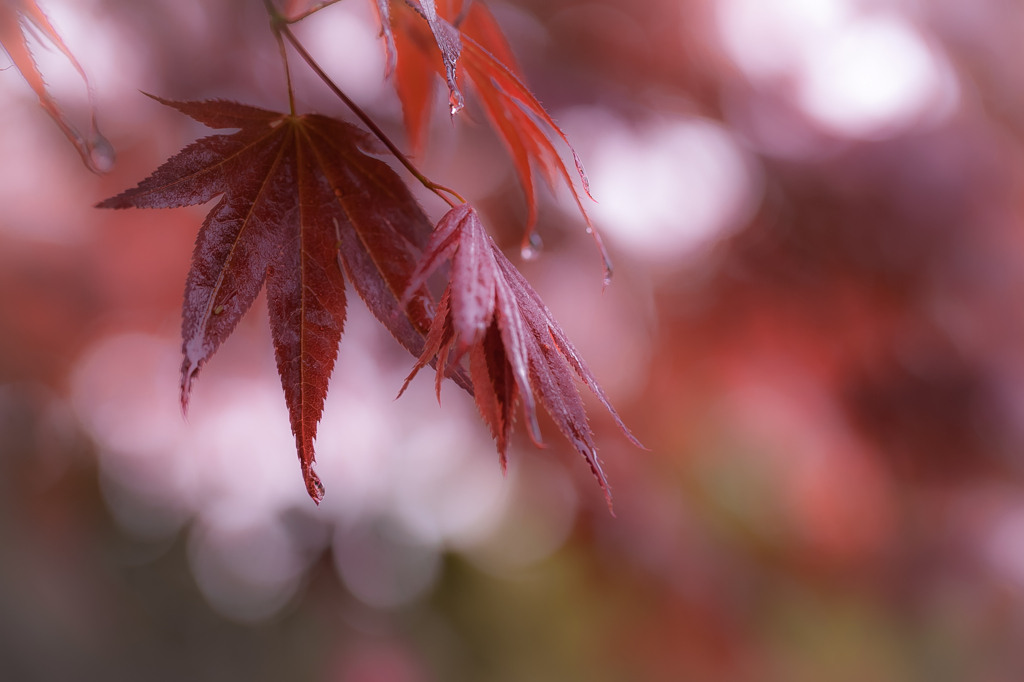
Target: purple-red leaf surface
x=517, y=351
x=301, y=204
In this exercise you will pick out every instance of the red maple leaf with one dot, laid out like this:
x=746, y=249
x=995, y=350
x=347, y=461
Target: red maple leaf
x=302, y=204
x=517, y=351
x=486, y=59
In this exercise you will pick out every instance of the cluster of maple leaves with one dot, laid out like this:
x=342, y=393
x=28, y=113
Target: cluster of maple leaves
x=305, y=205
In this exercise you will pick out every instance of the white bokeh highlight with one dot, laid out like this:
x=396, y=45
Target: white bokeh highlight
x=665, y=188
x=406, y=480
x=859, y=70
x=345, y=40
x=1004, y=545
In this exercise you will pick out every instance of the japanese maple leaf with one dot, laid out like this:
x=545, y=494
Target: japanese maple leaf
x=517, y=351
x=95, y=150
x=486, y=60
x=302, y=204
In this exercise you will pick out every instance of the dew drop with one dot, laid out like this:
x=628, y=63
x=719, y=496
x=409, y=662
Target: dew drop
x=101, y=154
x=531, y=251
x=455, y=101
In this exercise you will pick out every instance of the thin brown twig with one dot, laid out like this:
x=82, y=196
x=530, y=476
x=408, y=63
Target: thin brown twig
x=287, y=72
x=276, y=21
x=312, y=10
x=367, y=121
x=275, y=16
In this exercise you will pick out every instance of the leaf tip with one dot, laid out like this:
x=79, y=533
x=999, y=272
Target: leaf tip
x=583, y=174
x=456, y=103
x=602, y=480
x=606, y=259
x=532, y=245
x=189, y=370
x=158, y=98
x=314, y=487
x=101, y=154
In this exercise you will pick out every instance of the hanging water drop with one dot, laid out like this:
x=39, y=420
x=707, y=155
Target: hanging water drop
x=101, y=154
x=532, y=248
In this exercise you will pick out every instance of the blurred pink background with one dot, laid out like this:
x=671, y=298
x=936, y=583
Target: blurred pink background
x=816, y=326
